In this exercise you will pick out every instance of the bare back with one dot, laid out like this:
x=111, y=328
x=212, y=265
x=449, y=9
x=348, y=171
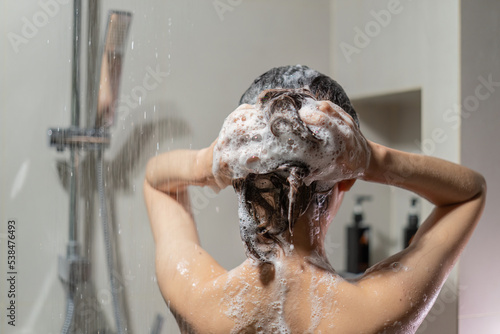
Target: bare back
x=298, y=297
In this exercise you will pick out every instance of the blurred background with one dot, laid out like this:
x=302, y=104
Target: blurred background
x=424, y=77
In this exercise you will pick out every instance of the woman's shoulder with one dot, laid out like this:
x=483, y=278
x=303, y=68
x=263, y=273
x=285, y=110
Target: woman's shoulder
x=305, y=299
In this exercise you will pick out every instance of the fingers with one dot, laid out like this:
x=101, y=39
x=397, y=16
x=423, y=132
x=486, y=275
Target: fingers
x=326, y=113
x=336, y=111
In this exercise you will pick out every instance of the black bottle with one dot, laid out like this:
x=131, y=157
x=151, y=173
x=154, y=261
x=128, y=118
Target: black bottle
x=358, y=240
x=412, y=227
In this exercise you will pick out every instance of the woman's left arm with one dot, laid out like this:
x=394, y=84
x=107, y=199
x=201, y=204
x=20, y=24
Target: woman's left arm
x=180, y=261
x=173, y=171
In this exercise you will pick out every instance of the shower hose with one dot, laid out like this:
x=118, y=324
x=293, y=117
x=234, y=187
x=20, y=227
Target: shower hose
x=70, y=309
x=103, y=213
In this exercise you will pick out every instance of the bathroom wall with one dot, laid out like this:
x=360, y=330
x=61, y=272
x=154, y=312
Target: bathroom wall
x=381, y=48
x=479, y=308
x=202, y=59
x=449, y=50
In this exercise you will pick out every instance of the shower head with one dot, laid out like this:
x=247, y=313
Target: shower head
x=111, y=67
x=116, y=34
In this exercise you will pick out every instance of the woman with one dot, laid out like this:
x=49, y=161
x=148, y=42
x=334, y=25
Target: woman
x=290, y=156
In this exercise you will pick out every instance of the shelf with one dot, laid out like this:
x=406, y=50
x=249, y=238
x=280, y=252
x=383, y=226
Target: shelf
x=393, y=120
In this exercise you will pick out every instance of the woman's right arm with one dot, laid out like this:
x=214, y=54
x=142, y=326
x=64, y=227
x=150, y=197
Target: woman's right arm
x=441, y=182
x=458, y=194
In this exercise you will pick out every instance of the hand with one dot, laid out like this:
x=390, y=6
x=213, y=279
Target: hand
x=220, y=170
x=205, y=170
x=235, y=135
x=352, y=155
x=343, y=155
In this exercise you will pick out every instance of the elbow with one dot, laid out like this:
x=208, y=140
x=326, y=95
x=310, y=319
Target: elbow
x=152, y=175
x=149, y=171
x=145, y=186
x=482, y=188
x=480, y=196
x=483, y=183
x=147, y=191
x=483, y=192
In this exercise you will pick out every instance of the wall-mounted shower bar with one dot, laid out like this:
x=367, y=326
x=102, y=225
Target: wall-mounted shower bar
x=75, y=70
x=75, y=122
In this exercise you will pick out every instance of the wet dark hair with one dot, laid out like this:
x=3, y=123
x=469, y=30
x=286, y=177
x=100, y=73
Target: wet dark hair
x=299, y=76
x=281, y=111
x=272, y=202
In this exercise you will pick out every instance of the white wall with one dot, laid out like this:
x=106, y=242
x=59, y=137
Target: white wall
x=479, y=308
x=403, y=46
x=210, y=59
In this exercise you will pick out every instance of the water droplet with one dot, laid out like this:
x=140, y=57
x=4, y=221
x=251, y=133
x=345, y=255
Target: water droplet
x=145, y=115
x=132, y=45
x=290, y=141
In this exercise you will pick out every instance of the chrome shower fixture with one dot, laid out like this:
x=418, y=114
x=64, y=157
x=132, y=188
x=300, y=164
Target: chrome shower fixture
x=111, y=67
x=97, y=137
x=74, y=267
